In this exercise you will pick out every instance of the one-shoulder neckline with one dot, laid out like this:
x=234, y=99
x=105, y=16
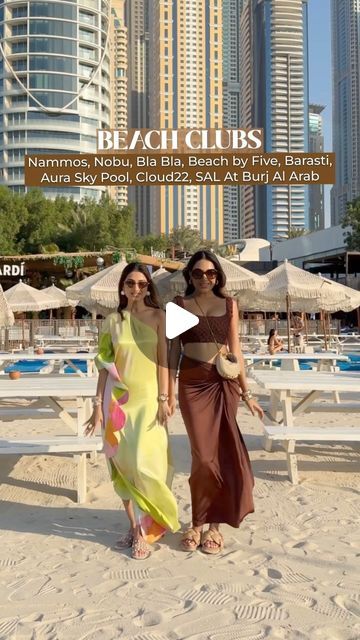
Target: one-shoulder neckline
x=132, y=317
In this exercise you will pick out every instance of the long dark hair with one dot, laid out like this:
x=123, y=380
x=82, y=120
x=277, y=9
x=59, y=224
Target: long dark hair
x=271, y=335
x=151, y=300
x=204, y=254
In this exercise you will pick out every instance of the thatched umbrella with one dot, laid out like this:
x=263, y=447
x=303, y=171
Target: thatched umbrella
x=98, y=289
x=21, y=298
x=60, y=295
x=296, y=288
x=6, y=317
x=6, y=314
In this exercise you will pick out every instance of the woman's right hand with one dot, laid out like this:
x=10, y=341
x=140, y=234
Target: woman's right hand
x=96, y=420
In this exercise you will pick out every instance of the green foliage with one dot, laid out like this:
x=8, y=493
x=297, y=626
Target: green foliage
x=352, y=219
x=146, y=243
x=12, y=216
x=32, y=223
x=185, y=239
x=296, y=232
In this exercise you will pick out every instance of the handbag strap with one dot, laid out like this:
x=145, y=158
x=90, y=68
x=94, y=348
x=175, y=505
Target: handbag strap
x=208, y=324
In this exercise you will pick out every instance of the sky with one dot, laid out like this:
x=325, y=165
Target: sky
x=320, y=72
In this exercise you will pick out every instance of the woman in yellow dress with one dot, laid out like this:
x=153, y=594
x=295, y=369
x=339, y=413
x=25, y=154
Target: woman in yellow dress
x=131, y=404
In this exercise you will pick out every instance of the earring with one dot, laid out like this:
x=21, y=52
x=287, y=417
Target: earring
x=148, y=293
x=122, y=293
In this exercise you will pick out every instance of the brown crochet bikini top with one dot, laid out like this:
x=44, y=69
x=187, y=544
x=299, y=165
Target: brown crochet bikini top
x=200, y=333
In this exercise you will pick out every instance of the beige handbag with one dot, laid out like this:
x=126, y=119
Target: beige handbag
x=227, y=364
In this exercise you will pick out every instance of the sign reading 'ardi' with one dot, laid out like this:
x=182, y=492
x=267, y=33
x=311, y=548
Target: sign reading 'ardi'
x=12, y=269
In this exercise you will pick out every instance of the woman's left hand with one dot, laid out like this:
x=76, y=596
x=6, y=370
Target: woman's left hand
x=255, y=408
x=163, y=413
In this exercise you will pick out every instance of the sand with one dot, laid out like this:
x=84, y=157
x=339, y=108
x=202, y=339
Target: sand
x=290, y=572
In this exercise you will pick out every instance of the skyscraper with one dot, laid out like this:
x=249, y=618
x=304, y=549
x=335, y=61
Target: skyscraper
x=185, y=54
x=137, y=24
x=232, y=61
x=118, y=67
x=316, y=145
x=278, y=53
x=345, y=24
x=54, y=83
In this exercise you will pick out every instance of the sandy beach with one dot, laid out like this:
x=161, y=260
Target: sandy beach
x=290, y=572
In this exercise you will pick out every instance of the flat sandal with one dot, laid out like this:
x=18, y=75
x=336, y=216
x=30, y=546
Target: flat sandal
x=214, y=536
x=124, y=541
x=190, y=540
x=139, y=545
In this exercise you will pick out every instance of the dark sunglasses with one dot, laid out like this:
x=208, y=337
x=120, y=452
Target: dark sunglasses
x=132, y=283
x=197, y=274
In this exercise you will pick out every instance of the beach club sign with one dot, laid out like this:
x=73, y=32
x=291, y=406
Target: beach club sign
x=12, y=269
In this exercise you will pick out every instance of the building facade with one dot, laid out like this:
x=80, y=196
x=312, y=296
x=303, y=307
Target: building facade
x=137, y=24
x=345, y=27
x=119, y=90
x=276, y=31
x=54, y=83
x=316, y=191
x=185, y=54
x=232, y=63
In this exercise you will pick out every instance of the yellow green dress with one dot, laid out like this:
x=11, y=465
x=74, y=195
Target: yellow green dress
x=135, y=443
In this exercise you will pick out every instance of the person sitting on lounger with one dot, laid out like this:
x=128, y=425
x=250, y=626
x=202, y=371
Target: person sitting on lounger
x=275, y=343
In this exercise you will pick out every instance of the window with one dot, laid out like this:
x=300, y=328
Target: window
x=60, y=10
x=53, y=99
x=53, y=28
x=52, y=45
x=52, y=81
x=20, y=64
x=19, y=12
x=53, y=63
x=19, y=29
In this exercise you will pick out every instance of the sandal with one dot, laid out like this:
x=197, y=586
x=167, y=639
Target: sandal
x=139, y=549
x=190, y=540
x=125, y=541
x=212, y=536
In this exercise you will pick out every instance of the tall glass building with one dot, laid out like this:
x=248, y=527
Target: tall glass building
x=278, y=57
x=345, y=26
x=54, y=83
x=185, y=67
x=232, y=97
x=316, y=145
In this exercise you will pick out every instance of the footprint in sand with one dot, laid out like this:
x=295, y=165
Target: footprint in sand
x=27, y=588
x=8, y=628
x=350, y=603
x=147, y=618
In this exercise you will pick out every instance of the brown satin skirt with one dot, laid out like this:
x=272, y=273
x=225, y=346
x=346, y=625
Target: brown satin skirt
x=221, y=480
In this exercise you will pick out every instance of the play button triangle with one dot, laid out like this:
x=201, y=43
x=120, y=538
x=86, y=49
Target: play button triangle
x=178, y=320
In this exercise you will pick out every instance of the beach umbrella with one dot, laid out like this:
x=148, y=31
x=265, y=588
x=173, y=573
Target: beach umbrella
x=162, y=280
x=295, y=288
x=21, y=297
x=238, y=278
x=6, y=314
x=60, y=295
x=100, y=288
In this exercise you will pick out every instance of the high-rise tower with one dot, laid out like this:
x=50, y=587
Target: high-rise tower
x=54, y=83
x=345, y=25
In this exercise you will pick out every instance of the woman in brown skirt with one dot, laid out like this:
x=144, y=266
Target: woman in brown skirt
x=221, y=480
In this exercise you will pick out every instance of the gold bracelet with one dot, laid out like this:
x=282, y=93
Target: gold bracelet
x=247, y=395
x=97, y=401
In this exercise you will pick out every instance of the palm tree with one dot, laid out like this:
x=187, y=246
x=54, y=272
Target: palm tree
x=185, y=239
x=296, y=232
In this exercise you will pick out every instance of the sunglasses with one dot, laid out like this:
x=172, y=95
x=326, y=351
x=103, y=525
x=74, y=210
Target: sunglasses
x=132, y=283
x=197, y=274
